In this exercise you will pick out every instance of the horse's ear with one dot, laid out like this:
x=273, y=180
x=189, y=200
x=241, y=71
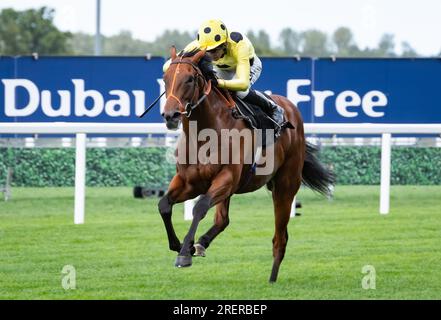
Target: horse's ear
x=173, y=52
x=198, y=56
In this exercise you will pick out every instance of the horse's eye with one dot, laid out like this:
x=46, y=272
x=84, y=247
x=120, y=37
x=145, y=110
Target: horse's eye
x=190, y=80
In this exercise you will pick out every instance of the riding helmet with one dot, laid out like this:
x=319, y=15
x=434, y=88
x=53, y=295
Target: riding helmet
x=212, y=33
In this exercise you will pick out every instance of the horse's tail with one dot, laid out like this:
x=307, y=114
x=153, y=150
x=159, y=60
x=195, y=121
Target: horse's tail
x=314, y=174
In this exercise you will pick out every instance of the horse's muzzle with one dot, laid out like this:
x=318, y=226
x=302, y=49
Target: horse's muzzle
x=172, y=120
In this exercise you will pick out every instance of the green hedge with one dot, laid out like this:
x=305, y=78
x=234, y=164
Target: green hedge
x=361, y=165
x=105, y=167
x=148, y=166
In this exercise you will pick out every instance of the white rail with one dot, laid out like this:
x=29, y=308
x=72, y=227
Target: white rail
x=87, y=128
x=82, y=129
x=159, y=128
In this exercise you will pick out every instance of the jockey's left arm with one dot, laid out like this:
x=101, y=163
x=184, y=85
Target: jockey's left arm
x=242, y=80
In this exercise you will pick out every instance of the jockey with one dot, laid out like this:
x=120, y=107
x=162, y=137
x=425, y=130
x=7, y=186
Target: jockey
x=236, y=64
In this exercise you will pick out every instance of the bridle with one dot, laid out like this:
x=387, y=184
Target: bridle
x=189, y=107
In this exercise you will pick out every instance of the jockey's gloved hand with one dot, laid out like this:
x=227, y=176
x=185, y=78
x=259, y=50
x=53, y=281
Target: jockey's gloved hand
x=214, y=81
x=207, y=69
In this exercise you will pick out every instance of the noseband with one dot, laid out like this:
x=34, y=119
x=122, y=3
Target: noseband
x=189, y=107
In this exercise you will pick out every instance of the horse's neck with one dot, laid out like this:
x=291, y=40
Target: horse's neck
x=213, y=114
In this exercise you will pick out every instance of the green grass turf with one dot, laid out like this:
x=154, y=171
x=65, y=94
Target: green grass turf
x=121, y=252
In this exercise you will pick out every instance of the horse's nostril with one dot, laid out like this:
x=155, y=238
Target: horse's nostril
x=176, y=114
x=171, y=116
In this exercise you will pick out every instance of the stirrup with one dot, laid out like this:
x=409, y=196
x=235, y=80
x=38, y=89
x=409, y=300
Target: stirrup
x=278, y=127
x=277, y=132
x=278, y=115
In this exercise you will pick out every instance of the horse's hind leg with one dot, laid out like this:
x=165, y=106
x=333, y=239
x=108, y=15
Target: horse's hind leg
x=221, y=221
x=284, y=190
x=178, y=191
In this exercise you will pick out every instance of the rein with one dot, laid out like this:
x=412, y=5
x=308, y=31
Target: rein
x=188, y=109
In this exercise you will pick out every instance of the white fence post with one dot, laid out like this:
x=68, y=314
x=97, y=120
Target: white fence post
x=188, y=208
x=385, y=172
x=80, y=177
x=293, y=208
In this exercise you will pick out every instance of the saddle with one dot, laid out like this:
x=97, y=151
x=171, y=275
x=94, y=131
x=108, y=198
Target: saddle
x=256, y=118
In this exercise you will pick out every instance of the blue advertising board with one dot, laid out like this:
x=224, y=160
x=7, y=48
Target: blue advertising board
x=117, y=89
x=277, y=75
x=80, y=89
x=378, y=90
x=7, y=69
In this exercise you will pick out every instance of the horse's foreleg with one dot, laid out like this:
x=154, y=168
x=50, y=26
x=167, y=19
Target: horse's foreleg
x=221, y=221
x=165, y=209
x=178, y=191
x=220, y=189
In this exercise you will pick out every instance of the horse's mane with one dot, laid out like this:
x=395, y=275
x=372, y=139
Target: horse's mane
x=205, y=64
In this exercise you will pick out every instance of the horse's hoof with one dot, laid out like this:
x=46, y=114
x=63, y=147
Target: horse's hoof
x=183, y=261
x=199, y=250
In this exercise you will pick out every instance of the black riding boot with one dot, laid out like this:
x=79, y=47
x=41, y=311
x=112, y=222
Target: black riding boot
x=268, y=106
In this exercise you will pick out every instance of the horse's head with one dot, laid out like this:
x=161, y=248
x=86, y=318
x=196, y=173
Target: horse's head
x=184, y=85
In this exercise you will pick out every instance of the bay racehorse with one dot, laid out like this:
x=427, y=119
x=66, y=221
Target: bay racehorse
x=191, y=96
